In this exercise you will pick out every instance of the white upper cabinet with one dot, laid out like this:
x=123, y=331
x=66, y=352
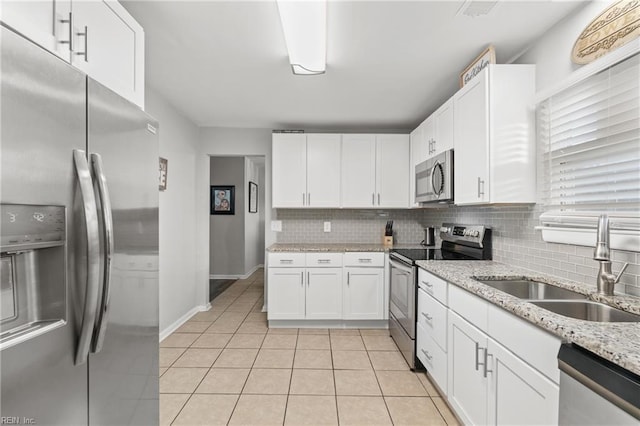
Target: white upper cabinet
x=109, y=46
x=392, y=171
x=493, y=133
x=419, y=153
x=98, y=37
x=44, y=22
x=323, y=170
x=306, y=170
x=375, y=171
x=443, y=128
x=289, y=165
x=358, y=170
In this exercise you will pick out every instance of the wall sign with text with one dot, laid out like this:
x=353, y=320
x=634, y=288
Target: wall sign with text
x=479, y=63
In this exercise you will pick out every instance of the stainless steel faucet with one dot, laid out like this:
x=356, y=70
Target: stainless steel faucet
x=606, y=280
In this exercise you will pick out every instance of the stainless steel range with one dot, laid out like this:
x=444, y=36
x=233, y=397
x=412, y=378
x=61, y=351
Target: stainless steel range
x=459, y=242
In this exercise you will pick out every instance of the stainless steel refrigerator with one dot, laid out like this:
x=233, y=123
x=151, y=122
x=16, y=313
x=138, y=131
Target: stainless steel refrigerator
x=79, y=247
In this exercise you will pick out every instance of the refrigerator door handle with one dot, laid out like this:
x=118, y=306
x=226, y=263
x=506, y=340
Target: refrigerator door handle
x=107, y=224
x=93, y=255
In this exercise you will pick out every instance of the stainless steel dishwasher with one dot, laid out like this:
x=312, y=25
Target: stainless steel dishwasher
x=594, y=391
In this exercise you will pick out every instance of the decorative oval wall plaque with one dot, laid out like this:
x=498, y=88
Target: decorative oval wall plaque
x=615, y=27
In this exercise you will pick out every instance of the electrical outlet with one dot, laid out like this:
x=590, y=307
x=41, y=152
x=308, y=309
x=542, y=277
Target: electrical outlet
x=327, y=227
x=276, y=225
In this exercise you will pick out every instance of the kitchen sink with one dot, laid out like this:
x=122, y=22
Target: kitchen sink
x=586, y=310
x=532, y=290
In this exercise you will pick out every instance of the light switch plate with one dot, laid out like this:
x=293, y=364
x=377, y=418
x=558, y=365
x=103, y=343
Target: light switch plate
x=327, y=227
x=276, y=225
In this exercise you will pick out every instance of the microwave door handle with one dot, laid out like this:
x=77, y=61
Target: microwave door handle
x=107, y=224
x=433, y=175
x=93, y=255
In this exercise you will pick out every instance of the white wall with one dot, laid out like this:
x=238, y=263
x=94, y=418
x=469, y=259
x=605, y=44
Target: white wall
x=179, y=144
x=552, y=52
x=218, y=141
x=253, y=233
x=227, y=232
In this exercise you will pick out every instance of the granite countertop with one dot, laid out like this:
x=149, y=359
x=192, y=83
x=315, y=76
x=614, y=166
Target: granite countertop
x=616, y=342
x=336, y=247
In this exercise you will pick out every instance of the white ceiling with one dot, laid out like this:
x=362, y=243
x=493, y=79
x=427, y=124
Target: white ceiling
x=389, y=63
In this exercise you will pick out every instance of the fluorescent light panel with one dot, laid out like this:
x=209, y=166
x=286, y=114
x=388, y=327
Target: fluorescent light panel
x=305, y=31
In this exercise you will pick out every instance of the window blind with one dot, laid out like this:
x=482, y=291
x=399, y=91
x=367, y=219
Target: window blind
x=590, y=138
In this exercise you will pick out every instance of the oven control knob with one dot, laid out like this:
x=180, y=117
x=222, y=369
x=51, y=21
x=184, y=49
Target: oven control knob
x=444, y=229
x=476, y=233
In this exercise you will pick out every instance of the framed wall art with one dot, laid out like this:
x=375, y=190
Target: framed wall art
x=223, y=199
x=253, y=197
x=164, y=164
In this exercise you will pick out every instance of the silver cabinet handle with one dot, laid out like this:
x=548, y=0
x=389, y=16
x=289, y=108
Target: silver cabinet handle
x=84, y=34
x=301, y=278
x=286, y=261
x=365, y=260
x=348, y=277
x=378, y=198
x=434, y=145
x=478, y=363
x=70, y=32
x=428, y=284
x=308, y=278
x=107, y=227
x=93, y=255
x=373, y=199
x=486, y=363
x=427, y=316
x=303, y=199
x=324, y=261
x=480, y=183
x=429, y=357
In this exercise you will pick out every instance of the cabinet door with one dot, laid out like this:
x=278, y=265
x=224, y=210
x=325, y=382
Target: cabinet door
x=392, y=171
x=285, y=293
x=42, y=22
x=289, y=170
x=109, y=47
x=323, y=170
x=364, y=293
x=443, y=123
x=358, y=170
x=518, y=394
x=471, y=135
x=467, y=386
x=324, y=293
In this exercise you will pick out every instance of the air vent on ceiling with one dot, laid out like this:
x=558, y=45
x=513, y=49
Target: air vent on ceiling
x=475, y=8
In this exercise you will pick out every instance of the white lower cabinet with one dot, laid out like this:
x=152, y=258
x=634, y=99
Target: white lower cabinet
x=363, y=293
x=286, y=294
x=467, y=384
x=323, y=299
x=488, y=384
x=518, y=394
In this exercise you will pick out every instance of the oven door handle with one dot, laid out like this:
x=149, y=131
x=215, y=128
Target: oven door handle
x=402, y=267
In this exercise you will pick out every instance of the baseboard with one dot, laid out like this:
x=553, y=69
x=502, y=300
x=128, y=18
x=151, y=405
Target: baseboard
x=176, y=324
x=235, y=277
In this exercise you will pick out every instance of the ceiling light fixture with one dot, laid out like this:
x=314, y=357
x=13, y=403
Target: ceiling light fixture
x=304, y=24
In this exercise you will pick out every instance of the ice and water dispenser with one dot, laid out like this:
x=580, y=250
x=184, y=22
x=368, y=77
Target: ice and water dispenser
x=32, y=269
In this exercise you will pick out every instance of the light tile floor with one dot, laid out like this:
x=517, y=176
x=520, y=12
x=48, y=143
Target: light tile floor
x=225, y=366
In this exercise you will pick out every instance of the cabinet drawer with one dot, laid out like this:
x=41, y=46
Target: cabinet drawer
x=433, y=358
x=533, y=345
x=434, y=286
x=324, y=259
x=432, y=316
x=360, y=259
x=469, y=306
x=292, y=260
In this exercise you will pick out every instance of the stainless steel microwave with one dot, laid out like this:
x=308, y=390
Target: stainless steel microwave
x=434, y=179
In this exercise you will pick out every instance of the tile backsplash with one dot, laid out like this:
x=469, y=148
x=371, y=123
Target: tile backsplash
x=515, y=240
